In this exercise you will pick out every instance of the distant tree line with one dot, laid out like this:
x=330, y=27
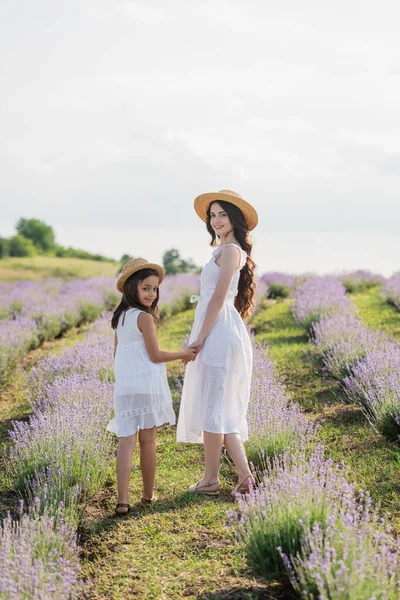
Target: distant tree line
x=172, y=263
x=34, y=236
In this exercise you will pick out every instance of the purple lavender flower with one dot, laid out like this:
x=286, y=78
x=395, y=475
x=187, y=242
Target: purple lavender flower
x=320, y=296
x=374, y=384
x=391, y=291
x=357, y=281
x=277, y=284
x=294, y=493
x=38, y=557
x=275, y=423
x=342, y=338
x=351, y=557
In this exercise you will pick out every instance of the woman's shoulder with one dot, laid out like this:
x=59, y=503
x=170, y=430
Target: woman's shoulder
x=228, y=248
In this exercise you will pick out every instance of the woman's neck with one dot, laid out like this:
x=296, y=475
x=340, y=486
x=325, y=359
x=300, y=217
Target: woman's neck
x=229, y=239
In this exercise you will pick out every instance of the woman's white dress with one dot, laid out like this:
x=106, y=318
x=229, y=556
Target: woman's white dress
x=142, y=398
x=216, y=387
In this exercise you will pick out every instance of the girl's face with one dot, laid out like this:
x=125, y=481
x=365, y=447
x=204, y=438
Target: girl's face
x=219, y=220
x=147, y=290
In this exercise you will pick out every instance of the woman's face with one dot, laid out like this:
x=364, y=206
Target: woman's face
x=147, y=290
x=219, y=220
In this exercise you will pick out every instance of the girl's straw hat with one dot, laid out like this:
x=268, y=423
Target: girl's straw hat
x=134, y=265
x=203, y=201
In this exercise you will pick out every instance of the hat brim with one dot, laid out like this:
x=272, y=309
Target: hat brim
x=202, y=203
x=158, y=268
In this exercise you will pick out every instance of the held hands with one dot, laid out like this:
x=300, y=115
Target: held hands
x=193, y=349
x=188, y=355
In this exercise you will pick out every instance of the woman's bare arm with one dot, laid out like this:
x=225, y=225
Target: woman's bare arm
x=227, y=268
x=146, y=326
x=115, y=342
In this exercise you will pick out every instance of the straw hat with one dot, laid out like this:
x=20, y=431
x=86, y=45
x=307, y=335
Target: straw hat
x=134, y=265
x=203, y=201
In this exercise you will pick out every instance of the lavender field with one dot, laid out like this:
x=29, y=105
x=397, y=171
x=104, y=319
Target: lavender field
x=322, y=519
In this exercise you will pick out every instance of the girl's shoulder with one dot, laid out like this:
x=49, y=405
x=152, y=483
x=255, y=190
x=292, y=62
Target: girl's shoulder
x=144, y=320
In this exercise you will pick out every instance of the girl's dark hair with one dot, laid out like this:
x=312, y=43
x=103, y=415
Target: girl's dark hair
x=130, y=297
x=244, y=301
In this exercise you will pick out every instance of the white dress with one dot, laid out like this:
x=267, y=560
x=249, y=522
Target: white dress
x=142, y=398
x=216, y=387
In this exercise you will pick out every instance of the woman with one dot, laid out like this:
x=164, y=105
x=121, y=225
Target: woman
x=216, y=389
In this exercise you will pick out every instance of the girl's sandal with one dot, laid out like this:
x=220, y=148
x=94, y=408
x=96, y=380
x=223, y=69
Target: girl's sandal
x=120, y=513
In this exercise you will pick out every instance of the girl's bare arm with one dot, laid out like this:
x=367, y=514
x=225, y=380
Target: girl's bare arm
x=146, y=326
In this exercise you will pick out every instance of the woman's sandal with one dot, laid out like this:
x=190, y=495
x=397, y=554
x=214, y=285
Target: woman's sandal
x=122, y=512
x=208, y=489
x=149, y=501
x=243, y=487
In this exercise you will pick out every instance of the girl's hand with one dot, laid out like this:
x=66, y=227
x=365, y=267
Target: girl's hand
x=188, y=355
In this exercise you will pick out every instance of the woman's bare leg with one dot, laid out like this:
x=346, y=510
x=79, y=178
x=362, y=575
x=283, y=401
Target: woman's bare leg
x=125, y=450
x=148, y=459
x=212, y=456
x=234, y=445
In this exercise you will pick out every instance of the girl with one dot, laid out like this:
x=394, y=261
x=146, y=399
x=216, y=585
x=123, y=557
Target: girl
x=142, y=399
x=216, y=388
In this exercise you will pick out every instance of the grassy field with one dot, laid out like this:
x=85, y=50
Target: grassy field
x=42, y=267
x=181, y=547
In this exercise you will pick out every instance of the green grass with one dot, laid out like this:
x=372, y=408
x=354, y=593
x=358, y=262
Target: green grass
x=42, y=267
x=375, y=311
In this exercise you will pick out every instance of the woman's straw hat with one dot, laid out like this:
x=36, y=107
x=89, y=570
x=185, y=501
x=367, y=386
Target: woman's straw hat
x=134, y=265
x=203, y=201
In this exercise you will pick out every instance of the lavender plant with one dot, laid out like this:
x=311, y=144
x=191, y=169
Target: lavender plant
x=340, y=339
x=278, y=285
x=38, y=311
x=352, y=557
x=317, y=297
x=391, y=291
x=38, y=558
x=66, y=445
x=374, y=384
x=358, y=281
x=275, y=423
x=295, y=493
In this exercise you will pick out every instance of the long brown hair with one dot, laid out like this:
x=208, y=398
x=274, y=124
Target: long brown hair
x=130, y=297
x=244, y=301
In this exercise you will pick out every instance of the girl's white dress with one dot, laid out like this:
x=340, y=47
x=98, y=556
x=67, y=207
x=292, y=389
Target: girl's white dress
x=142, y=398
x=216, y=387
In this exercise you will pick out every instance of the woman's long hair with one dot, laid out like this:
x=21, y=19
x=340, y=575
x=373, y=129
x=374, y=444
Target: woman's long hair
x=244, y=301
x=130, y=297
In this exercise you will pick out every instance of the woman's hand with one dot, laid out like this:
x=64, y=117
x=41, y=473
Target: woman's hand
x=197, y=344
x=188, y=355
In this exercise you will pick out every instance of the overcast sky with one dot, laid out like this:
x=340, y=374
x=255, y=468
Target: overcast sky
x=115, y=114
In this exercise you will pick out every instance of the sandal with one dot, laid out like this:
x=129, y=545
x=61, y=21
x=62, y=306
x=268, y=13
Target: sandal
x=244, y=486
x=148, y=501
x=208, y=489
x=122, y=505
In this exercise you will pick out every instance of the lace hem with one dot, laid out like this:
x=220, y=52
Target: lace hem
x=126, y=414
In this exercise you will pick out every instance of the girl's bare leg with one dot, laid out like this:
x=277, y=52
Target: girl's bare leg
x=126, y=447
x=147, y=441
x=234, y=445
